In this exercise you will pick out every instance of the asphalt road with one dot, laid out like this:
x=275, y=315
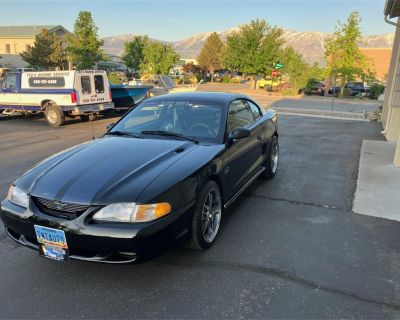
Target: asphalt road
x=288, y=248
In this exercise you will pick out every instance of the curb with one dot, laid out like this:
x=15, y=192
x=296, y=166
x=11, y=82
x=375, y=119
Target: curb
x=346, y=115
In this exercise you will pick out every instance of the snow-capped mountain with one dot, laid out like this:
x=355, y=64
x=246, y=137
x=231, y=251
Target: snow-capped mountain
x=311, y=45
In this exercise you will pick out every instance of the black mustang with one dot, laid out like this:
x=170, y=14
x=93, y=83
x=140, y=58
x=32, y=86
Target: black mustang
x=167, y=168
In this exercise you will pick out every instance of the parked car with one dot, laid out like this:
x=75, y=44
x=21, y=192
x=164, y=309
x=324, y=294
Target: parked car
x=57, y=94
x=352, y=89
x=165, y=170
x=314, y=87
x=355, y=88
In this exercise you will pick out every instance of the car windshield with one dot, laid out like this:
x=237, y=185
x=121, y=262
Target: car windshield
x=175, y=119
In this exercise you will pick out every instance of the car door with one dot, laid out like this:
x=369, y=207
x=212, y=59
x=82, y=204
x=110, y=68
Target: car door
x=242, y=157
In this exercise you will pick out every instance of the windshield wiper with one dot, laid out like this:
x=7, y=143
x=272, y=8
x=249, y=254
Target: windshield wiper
x=123, y=133
x=169, y=134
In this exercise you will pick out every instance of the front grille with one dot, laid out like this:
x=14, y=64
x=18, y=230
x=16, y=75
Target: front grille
x=60, y=209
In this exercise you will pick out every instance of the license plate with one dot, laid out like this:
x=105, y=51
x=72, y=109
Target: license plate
x=52, y=243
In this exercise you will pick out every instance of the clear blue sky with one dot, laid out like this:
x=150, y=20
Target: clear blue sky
x=175, y=20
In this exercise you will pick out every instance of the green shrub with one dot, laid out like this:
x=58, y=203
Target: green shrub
x=376, y=90
x=117, y=77
x=289, y=92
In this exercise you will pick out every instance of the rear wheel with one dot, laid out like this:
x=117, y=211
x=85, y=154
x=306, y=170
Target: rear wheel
x=271, y=163
x=54, y=115
x=206, y=217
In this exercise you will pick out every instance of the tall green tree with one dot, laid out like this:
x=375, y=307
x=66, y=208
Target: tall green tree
x=158, y=58
x=295, y=67
x=84, y=44
x=253, y=49
x=211, y=53
x=345, y=60
x=47, y=51
x=133, y=52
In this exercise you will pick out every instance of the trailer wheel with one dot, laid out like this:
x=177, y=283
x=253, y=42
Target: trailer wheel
x=54, y=115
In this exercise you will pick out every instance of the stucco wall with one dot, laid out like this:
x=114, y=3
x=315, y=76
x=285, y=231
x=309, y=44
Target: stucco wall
x=17, y=45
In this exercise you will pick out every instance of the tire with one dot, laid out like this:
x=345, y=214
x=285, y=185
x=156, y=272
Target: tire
x=272, y=161
x=202, y=234
x=54, y=115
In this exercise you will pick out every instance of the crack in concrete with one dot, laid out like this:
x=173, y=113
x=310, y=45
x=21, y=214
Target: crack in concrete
x=274, y=272
x=295, y=202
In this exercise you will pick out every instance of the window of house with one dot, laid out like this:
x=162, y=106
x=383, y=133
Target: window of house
x=99, y=84
x=8, y=48
x=85, y=84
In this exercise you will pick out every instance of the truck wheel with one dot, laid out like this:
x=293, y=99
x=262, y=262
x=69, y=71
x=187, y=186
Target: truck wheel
x=54, y=115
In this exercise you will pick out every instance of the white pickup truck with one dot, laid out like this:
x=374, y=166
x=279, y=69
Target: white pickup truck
x=58, y=94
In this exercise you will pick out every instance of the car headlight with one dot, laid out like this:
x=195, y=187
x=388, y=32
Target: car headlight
x=132, y=212
x=18, y=197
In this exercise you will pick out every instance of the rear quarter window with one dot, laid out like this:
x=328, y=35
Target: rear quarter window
x=99, y=84
x=85, y=84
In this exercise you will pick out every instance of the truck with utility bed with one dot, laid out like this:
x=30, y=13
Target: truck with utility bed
x=57, y=94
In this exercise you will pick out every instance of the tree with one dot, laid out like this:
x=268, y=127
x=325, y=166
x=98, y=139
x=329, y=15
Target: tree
x=84, y=44
x=295, y=67
x=210, y=55
x=191, y=68
x=253, y=49
x=47, y=51
x=345, y=60
x=133, y=52
x=158, y=58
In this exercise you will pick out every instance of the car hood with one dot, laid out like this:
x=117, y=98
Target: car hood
x=108, y=170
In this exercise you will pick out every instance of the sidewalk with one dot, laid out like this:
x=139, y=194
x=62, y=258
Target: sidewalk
x=378, y=184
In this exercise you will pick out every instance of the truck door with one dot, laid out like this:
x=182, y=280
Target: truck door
x=9, y=95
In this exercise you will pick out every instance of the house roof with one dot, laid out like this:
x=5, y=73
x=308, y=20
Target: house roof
x=12, y=60
x=26, y=31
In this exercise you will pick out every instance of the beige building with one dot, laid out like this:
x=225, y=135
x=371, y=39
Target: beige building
x=391, y=105
x=17, y=39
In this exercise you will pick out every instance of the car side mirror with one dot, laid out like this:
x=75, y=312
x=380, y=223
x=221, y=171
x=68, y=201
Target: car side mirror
x=109, y=126
x=239, y=133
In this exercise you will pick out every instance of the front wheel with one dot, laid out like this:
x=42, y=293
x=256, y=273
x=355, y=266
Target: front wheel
x=271, y=163
x=54, y=115
x=206, y=217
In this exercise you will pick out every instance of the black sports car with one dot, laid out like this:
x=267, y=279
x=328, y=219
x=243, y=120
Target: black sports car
x=165, y=170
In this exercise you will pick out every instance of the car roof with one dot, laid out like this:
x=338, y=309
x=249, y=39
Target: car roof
x=216, y=97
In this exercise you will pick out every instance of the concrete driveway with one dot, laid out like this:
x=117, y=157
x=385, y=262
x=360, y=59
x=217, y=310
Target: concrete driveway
x=289, y=248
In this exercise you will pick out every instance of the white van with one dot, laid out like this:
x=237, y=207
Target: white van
x=58, y=94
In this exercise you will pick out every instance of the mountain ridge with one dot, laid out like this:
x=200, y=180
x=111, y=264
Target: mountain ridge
x=310, y=44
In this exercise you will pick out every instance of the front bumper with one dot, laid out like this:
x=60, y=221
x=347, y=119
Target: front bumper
x=96, y=242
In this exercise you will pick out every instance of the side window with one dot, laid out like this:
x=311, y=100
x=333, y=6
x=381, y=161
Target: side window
x=255, y=109
x=85, y=83
x=99, y=84
x=239, y=115
x=10, y=82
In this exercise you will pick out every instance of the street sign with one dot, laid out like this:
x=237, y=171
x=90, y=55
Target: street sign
x=274, y=73
x=278, y=65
